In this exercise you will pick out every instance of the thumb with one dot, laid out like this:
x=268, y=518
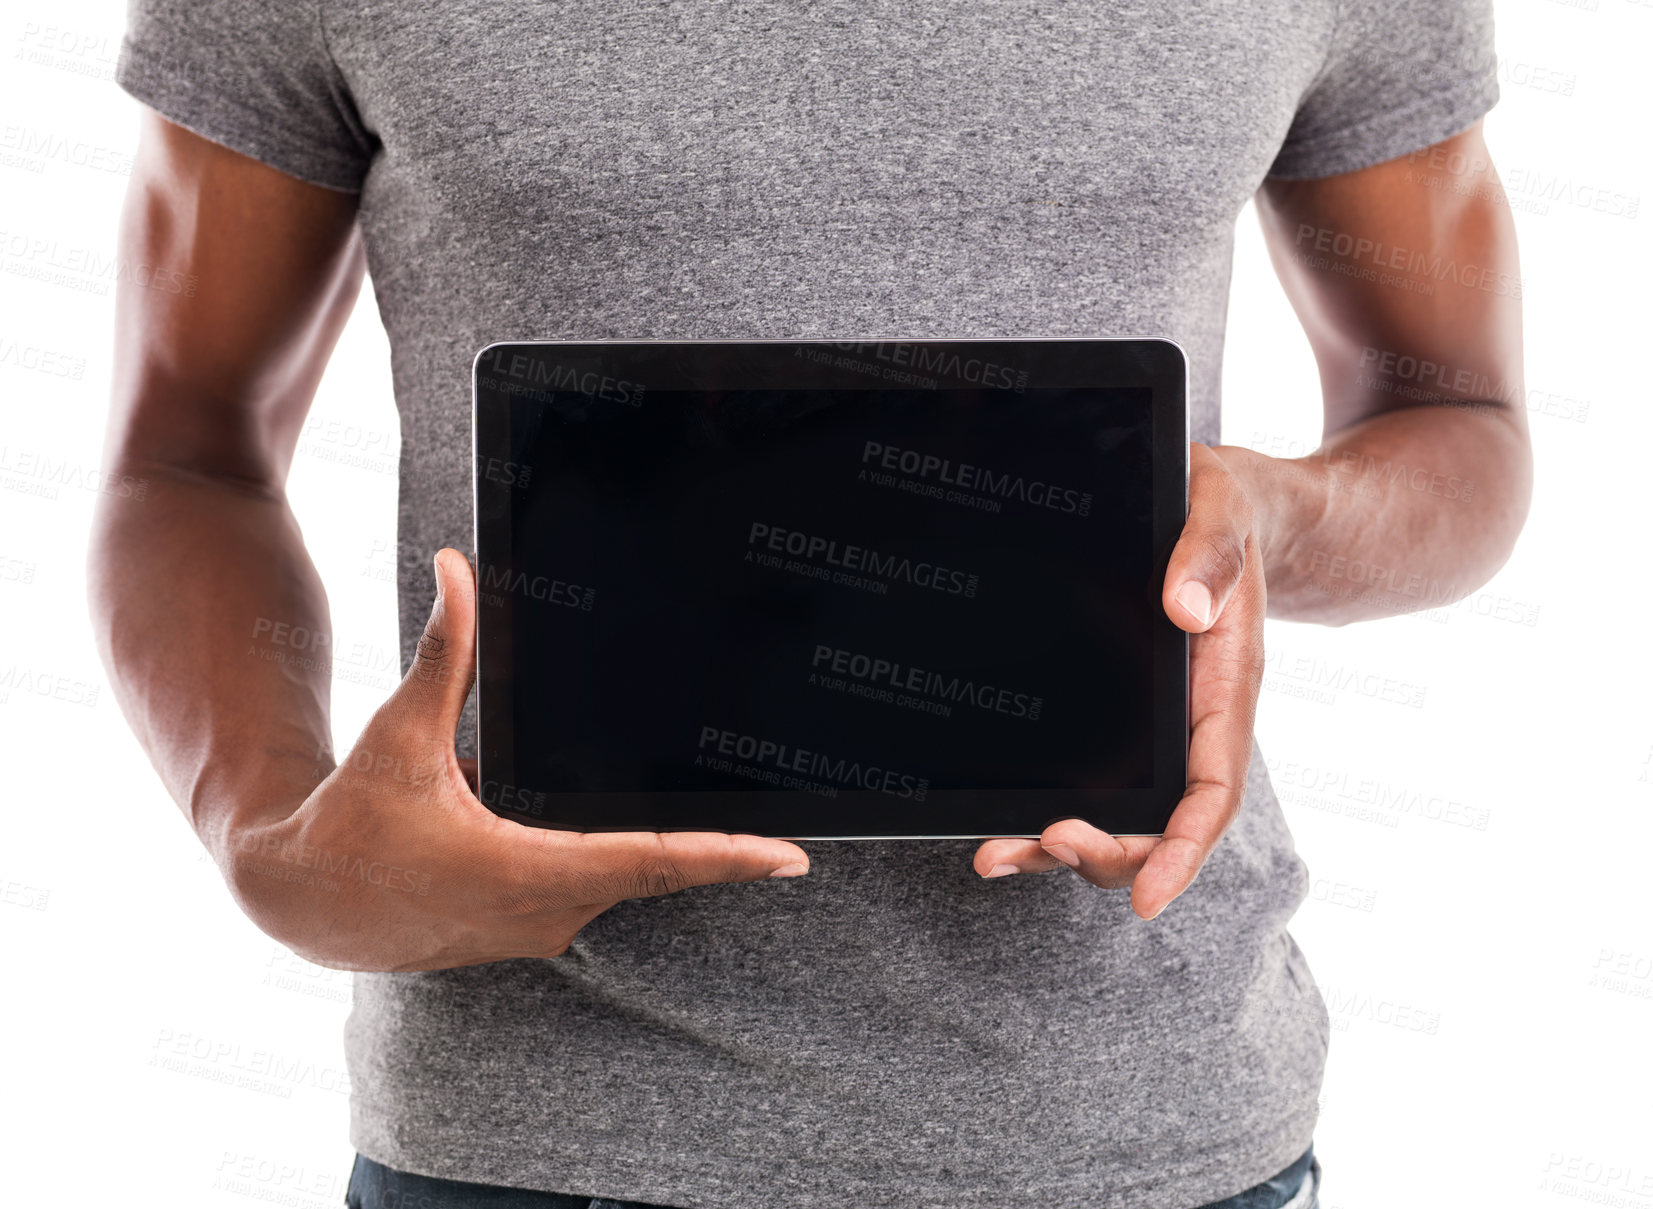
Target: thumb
x=1212, y=554
x=567, y=868
x=433, y=692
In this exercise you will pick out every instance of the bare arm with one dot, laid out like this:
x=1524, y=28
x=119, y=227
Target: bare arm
x=388, y=861
x=1424, y=473
x=210, y=394
x=1410, y=295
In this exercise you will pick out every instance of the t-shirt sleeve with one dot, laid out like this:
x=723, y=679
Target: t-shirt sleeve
x=252, y=75
x=1399, y=76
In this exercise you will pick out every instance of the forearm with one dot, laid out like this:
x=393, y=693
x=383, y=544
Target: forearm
x=211, y=622
x=1410, y=509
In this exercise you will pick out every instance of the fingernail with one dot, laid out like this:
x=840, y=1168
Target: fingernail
x=1196, y=598
x=436, y=564
x=1002, y=871
x=1063, y=853
x=790, y=871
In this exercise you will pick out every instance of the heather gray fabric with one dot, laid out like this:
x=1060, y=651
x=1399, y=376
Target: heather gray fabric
x=891, y=1030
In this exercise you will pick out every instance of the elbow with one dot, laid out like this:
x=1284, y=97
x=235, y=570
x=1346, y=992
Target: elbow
x=1508, y=501
x=1500, y=506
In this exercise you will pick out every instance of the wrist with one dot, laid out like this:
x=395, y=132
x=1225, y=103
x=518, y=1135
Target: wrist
x=1260, y=476
x=257, y=823
x=1288, y=496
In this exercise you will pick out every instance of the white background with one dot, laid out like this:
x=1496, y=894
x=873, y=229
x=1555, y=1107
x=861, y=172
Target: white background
x=1480, y=917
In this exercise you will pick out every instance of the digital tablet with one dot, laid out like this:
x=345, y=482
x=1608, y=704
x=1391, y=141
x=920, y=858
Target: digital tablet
x=898, y=589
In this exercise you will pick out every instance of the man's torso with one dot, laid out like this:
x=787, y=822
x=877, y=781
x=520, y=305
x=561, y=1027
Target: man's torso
x=891, y=1029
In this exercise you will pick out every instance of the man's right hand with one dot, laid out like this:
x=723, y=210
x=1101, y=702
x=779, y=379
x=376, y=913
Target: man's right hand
x=389, y=861
x=392, y=863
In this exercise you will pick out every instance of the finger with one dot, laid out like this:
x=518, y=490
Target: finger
x=1225, y=677
x=597, y=866
x=1211, y=556
x=432, y=694
x=1104, y=860
x=1196, y=825
x=1002, y=857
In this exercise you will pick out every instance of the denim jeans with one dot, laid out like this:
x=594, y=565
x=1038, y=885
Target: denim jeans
x=373, y=1186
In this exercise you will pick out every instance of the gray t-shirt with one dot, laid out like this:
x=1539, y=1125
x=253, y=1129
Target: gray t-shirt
x=892, y=1029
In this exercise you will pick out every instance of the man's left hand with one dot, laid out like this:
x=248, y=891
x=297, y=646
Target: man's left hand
x=1213, y=589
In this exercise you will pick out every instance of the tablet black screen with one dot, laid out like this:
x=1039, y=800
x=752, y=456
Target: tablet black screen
x=875, y=599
